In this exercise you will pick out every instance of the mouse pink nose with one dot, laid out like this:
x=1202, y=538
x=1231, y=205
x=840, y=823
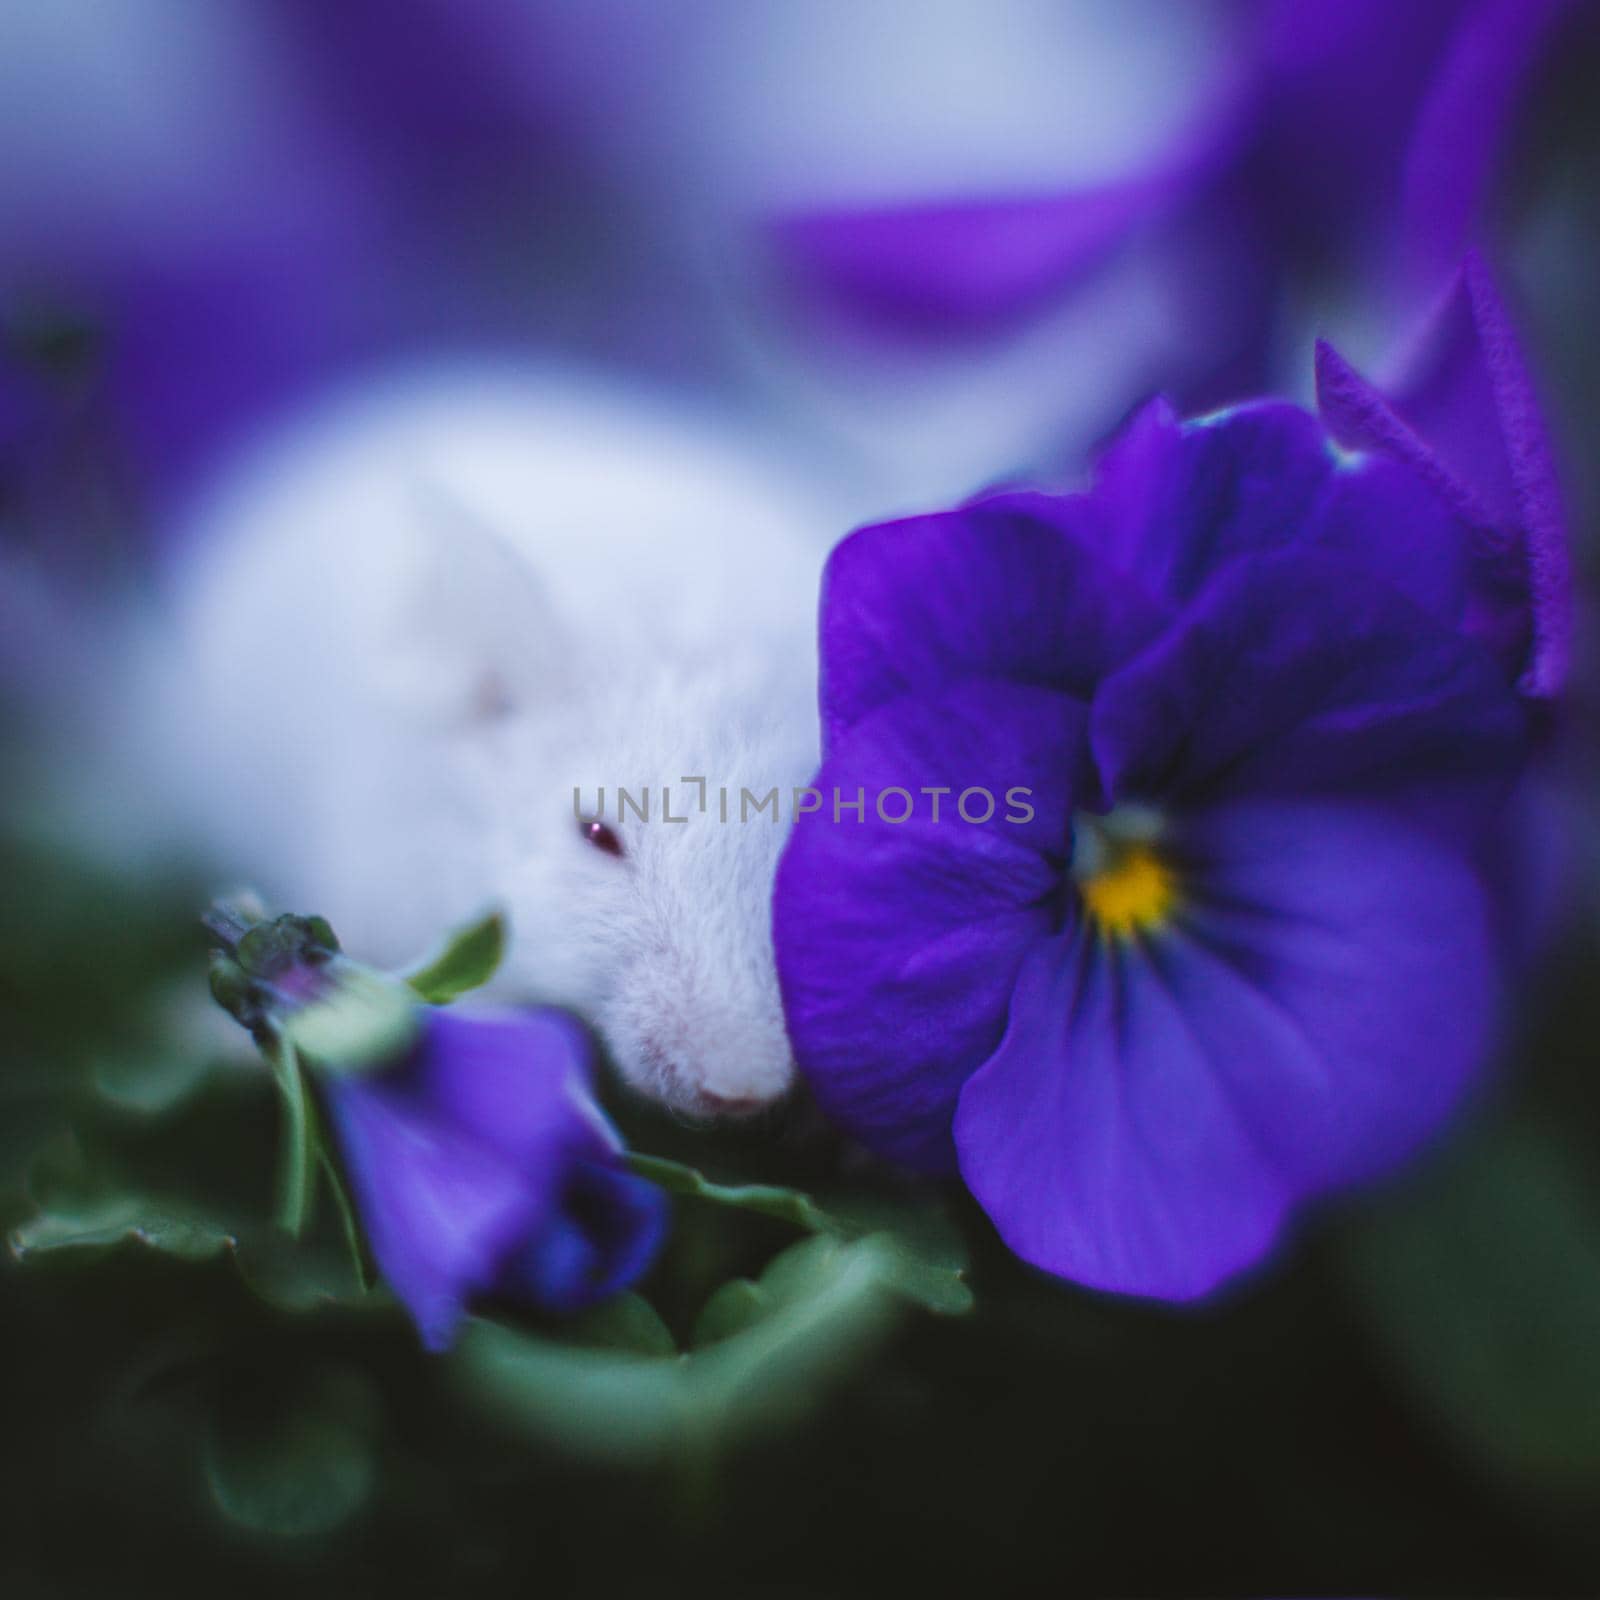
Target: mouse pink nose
x=725, y=1105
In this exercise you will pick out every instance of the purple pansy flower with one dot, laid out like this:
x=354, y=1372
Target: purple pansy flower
x=1235, y=945
x=482, y=1165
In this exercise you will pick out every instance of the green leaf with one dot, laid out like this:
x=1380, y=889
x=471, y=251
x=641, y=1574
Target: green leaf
x=732, y=1309
x=150, y=1082
x=1483, y=1279
x=467, y=959
x=76, y=1211
x=925, y=1258
x=305, y=1276
x=767, y=1351
x=787, y=1205
x=628, y=1322
x=104, y=1221
x=299, y=1466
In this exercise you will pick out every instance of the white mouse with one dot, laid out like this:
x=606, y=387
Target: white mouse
x=425, y=630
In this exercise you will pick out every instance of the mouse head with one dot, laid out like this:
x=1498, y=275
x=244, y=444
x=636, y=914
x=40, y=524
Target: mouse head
x=637, y=793
x=638, y=872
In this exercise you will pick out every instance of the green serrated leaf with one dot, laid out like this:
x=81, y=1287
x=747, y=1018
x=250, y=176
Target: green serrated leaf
x=925, y=1256
x=467, y=959
x=787, y=1205
x=933, y=1285
x=105, y=1221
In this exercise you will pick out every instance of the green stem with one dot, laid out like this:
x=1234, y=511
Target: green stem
x=297, y=1175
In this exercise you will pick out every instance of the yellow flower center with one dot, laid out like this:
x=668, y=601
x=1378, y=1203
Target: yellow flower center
x=1136, y=892
x=1128, y=885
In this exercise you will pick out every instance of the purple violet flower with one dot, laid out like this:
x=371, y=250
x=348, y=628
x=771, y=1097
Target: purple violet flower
x=1237, y=947
x=482, y=1165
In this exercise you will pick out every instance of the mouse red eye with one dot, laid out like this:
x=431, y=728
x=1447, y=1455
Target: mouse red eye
x=601, y=837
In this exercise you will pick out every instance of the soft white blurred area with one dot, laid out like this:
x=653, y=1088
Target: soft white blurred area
x=750, y=112
x=425, y=557
x=835, y=102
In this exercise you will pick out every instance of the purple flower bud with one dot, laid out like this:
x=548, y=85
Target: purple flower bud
x=481, y=1165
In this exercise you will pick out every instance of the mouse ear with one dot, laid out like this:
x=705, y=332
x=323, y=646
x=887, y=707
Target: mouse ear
x=474, y=636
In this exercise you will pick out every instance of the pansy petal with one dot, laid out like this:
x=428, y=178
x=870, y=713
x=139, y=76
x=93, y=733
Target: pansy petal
x=1468, y=418
x=1247, y=479
x=600, y=1238
x=897, y=943
x=1297, y=673
x=441, y=1210
x=1155, y=1110
x=1010, y=586
x=1183, y=500
x=517, y=1080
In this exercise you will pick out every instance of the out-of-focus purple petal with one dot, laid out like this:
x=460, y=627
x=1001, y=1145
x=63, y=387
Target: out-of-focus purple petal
x=897, y=943
x=480, y=1164
x=441, y=1210
x=958, y=267
x=1154, y=1110
x=520, y=1081
x=1467, y=417
x=1340, y=83
x=1298, y=672
x=1461, y=130
x=601, y=1238
x=1010, y=586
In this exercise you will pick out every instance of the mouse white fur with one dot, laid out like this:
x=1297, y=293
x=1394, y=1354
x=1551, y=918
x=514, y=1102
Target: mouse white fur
x=414, y=626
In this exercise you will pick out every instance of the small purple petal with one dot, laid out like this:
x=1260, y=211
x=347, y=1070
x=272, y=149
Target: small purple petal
x=1461, y=130
x=1154, y=1110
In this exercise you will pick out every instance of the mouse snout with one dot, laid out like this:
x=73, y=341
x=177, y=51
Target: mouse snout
x=708, y=1042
